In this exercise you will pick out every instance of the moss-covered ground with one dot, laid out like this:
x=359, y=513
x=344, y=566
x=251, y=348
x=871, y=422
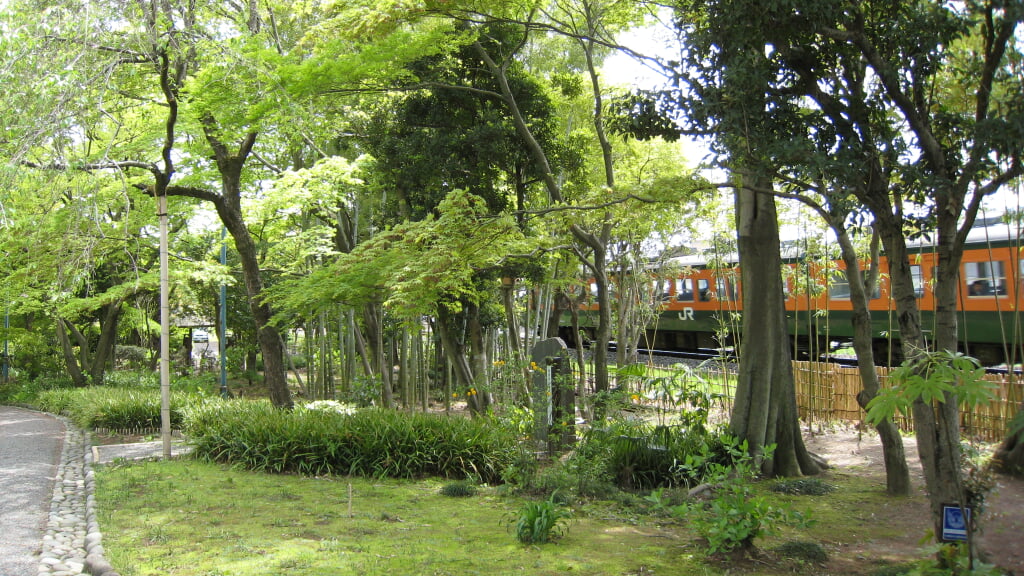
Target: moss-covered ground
x=190, y=518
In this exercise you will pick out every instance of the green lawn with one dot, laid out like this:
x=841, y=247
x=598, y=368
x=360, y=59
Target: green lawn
x=185, y=517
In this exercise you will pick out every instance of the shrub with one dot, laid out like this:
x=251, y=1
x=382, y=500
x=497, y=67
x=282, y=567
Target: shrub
x=132, y=379
x=113, y=408
x=20, y=391
x=639, y=456
x=131, y=357
x=735, y=516
x=375, y=443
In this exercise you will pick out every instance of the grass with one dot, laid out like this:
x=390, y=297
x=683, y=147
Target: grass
x=192, y=518
x=185, y=517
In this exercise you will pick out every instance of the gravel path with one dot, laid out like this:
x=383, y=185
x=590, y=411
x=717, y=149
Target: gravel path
x=49, y=526
x=30, y=451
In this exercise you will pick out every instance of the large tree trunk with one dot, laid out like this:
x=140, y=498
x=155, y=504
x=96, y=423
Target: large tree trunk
x=764, y=412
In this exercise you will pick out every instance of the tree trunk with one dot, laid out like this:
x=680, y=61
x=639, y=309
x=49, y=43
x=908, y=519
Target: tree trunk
x=229, y=208
x=89, y=366
x=78, y=378
x=1009, y=457
x=897, y=473
x=764, y=412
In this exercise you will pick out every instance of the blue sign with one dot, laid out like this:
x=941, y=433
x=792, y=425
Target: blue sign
x=954, y=524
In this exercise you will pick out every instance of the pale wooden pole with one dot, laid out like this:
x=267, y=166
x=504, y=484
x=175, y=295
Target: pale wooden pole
x=165, y=332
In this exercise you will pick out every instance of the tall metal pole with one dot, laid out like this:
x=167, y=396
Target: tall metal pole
x=222, y=343
x=165, y=332
x=7, y=329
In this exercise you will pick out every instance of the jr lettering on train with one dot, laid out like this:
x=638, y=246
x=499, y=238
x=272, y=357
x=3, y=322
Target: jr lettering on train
x=686, y=314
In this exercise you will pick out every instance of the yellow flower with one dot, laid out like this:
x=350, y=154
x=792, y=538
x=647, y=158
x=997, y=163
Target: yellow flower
x=455, y=394
x=635, y=397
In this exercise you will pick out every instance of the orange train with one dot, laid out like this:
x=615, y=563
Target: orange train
x=697, y=303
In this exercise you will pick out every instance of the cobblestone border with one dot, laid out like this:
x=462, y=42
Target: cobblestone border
x=73, y=543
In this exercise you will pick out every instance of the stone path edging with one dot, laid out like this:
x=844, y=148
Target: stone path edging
x=73, y=542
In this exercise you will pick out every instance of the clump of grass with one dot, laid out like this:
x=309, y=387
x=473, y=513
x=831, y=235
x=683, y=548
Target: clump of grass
x=894, y=569
x=803, y=551
x=803, y=487
x=375, y=443
x=540, y=521
x=113, y=408
x=459, y=489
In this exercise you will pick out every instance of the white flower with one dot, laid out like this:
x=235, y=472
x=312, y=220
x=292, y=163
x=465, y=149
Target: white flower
x=330, y=406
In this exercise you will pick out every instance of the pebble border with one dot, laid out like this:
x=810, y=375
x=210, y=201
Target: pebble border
x=73, y=543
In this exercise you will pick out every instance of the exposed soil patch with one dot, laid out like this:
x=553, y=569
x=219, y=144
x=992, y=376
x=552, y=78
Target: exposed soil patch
x=900, y=526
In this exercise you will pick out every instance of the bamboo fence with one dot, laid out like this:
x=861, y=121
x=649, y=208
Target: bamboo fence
x=828, y=392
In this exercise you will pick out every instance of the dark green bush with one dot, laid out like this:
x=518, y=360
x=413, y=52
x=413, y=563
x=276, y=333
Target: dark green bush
x=641, y=456
x=375, y=443
x=131, y=357
x=25, y=391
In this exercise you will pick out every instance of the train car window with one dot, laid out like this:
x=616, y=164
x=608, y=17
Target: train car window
x=660, y=289
x=839, y=286
x=918, y=276
x=684, y=289
x=704, y=289
x=725, y=289
x=985, y=278
x=593, y=289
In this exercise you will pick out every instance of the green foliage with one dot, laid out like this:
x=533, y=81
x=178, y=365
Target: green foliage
x=641, y=456
x=362, y=392
x=113, y=408
x=679, y=392
x=376, y=443
x=131, y=357
x=459, y=489
x=131, y=379
x=736, y=515
x=540, y=522
x=951, y=559
x=979, y=478
x=22, y=391
x=522, y=469
x=930, y=378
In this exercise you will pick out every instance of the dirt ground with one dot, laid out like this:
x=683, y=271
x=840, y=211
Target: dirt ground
x=1001, y=541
